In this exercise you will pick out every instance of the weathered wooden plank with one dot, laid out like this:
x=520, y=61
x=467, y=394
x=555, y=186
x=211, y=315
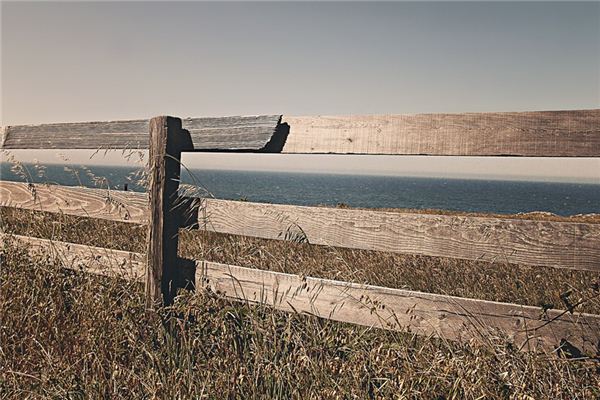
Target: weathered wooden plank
x=537, y=134
x=547, y=243
x=534, y=134
x=248, y=133
x=112, y=205
x=166, y=142
x=556, y=244
x=97, y=260
x=449, y=317
x=132, y=134
x=253, y=134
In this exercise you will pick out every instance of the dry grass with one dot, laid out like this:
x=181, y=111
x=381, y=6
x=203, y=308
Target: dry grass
x=70, y=335
x=536, y=286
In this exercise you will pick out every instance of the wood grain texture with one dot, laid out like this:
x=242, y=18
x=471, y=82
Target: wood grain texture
x=248, y=133
x=555, y=244
x=534, y=134
x=97, y=260
x=537, y=134
x=449, y=317
x=166, y=142
x=112, y=205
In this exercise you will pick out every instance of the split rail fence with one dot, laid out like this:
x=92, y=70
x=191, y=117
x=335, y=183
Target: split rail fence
x=570, y=245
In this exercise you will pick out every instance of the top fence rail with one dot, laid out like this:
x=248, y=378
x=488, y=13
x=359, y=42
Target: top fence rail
x=531, y=134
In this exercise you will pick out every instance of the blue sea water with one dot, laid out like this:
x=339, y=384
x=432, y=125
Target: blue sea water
x=356, y=190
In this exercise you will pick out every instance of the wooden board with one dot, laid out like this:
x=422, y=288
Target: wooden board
x=97, y=260
x=249, y=133
x=166, y=142
x=555, y=244
x=112, y=205
x=449, y=317
x=534, y=134
x=570, y=245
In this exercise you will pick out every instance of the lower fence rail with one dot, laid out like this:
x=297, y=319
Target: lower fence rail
x=449, y=317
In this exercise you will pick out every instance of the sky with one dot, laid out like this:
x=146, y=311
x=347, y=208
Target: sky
x=68, y=62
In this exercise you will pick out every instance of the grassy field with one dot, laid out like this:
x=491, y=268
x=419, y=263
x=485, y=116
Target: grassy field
x=65, y=334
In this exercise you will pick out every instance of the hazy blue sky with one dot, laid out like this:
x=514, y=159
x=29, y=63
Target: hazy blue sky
x=104, y=61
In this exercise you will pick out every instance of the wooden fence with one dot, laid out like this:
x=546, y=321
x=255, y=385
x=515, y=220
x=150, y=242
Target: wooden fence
x=570, y=245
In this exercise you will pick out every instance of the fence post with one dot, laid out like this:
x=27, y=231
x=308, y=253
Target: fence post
x=166, y=143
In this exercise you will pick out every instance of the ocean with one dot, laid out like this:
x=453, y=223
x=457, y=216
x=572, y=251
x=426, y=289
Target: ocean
x=472, y=195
